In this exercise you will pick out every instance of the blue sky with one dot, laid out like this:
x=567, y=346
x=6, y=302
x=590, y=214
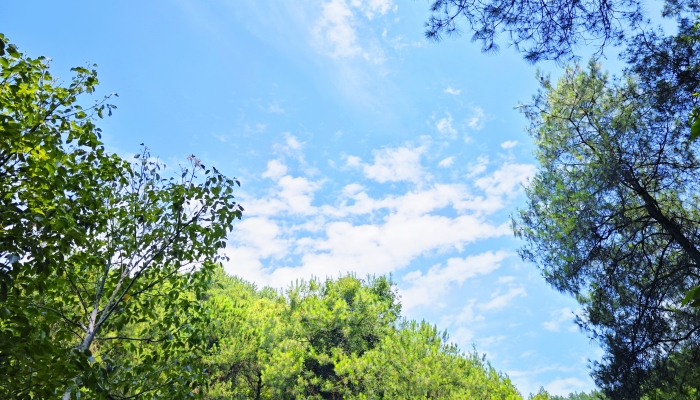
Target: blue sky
x=361, y=147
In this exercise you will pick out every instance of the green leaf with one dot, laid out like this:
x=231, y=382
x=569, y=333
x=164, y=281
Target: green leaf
x=695, y=129
x=692, y=297
x=12, y=50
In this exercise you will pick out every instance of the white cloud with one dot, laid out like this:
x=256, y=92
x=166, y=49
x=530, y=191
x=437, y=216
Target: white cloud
x=453, y=92
x=506, y=181
x=337, y=27
x=361, y=233
x=257, y=128
x=293, y=142
x=353, y=161
x=392, y=165
x=399, y=42
x=275, y=170
x=373, y=7
x=292, y=195
x=446, y=162
x=509, y=144
x=528, y=354
x=463, y=337
x=274, y=108
x=262, y=235
x=499, y=301
x=478, y=167
x=390, y=234
x=222, y=138
x=427, y=289
x=558, y=318
x=466, y=316
x=506, y=279
x=444, y=126
x=476, y=119
x=562, y=387
x=385, y=247
x=490, y=341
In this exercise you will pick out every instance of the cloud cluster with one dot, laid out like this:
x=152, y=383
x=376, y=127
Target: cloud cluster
x=289, y=234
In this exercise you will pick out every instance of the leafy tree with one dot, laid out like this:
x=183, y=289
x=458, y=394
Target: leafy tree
x=102, y=258
x=51, y=161
x=612, y=219
x=154, y=250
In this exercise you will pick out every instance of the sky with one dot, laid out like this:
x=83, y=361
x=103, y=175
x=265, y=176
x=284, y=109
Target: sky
x=361, y=148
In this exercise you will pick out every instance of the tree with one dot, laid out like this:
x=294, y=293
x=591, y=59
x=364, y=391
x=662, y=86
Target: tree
x=102, y=258
x=50, y=160
x=247, y=326
x=612, y=219
x=550, y=30
x=338, y=321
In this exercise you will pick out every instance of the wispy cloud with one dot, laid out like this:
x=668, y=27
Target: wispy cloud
x=255, y=128
x=562, y=387
x=275, y=108
x=507, y=181
x=373, y=7
x=446, y=162
x=499, y=301
x=444, y=126
x=427, y=289
x=337, y=27
x=560, y=317
x=452, y=91
x=476, y=119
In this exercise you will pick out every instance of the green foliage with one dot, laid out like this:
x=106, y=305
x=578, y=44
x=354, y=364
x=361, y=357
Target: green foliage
x=104, y=263
x=337, y=339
